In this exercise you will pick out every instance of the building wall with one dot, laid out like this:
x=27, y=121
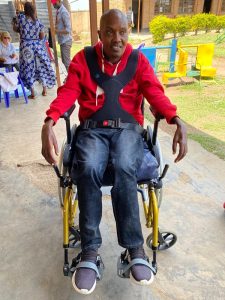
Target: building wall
x=81, y=19
x=148, y=10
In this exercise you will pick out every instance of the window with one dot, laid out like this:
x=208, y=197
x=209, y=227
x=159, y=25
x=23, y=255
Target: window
x=163, y=6
x=223, y=5
x=186, y=6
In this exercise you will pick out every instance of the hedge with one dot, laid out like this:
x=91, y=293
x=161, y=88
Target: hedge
x=162, y=25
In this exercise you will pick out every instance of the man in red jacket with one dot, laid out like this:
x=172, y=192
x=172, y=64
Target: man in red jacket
x=110, y=120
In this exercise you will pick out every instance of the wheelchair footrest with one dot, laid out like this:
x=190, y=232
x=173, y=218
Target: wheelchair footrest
x=124, y=265
x=99, y=263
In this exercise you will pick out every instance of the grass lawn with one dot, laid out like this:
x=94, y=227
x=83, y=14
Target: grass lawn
x=75, y=48
x=203, y=109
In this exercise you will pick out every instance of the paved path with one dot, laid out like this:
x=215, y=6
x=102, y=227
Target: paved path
x=31, y=230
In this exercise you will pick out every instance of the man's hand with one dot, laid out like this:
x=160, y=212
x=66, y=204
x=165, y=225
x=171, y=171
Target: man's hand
x=49, y=142
x=180, y=137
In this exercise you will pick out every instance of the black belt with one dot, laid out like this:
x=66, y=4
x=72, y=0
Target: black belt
x=111, y=124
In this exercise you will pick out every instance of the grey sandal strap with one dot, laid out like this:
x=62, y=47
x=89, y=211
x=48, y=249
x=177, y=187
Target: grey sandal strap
x=89, y=265
x=137, y=261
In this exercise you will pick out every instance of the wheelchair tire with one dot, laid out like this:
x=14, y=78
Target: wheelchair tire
x=63, y=171
x=166, y=240
x=64, y=162
x=158, y=153
x=159, y=192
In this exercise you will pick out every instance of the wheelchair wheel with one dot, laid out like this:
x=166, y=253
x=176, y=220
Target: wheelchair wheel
x=166, y=240
x=159, y=157
x=71, y=233
x=64, y=172
x=159, y=192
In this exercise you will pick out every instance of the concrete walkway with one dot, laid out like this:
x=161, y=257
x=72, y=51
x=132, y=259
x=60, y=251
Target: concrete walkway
x=31, y=225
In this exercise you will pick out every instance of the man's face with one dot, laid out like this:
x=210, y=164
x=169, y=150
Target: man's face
x=114, y=36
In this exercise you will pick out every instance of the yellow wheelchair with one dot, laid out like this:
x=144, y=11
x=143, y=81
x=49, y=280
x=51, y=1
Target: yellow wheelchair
x=150, y=190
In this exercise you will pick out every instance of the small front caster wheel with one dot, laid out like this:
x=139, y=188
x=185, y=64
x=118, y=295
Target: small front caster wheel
x=166, y=240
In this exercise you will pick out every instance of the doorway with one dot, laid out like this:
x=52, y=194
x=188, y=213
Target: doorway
x=207, y=6
x=135, y=4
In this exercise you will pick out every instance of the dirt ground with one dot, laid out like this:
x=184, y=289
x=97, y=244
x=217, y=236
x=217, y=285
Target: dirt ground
x=31, y=225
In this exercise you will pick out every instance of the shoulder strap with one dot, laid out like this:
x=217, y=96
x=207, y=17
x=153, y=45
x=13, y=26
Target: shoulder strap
x=96, y=73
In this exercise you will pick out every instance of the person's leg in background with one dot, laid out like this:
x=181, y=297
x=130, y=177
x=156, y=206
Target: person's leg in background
x=65, y=53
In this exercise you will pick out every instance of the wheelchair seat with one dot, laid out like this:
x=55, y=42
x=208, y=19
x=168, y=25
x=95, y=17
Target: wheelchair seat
x=150, y=170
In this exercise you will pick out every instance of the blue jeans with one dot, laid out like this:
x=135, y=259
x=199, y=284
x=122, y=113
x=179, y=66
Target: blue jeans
x=94, y=149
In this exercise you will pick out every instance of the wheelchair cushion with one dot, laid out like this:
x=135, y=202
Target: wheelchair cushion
x=149, y=167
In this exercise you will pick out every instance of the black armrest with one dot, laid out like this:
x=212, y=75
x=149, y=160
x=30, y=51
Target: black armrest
x=68, y=113
x=156, y=114
x=66, y=117
x=158, y=117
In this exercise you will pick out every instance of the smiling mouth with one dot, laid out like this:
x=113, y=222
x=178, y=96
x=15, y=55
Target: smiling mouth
x=116, y=47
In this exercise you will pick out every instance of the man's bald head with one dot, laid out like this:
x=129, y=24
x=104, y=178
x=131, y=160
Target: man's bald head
x=112, y=13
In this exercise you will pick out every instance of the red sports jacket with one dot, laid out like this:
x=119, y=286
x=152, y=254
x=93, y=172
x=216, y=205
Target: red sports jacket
x=80, y=86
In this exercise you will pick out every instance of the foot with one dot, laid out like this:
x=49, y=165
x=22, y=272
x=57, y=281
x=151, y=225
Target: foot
x=44, y=92
x=32, y=95
x=140, y=274
x=85, y=276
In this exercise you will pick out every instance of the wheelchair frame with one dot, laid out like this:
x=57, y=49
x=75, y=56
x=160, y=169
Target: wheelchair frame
x=151, y=193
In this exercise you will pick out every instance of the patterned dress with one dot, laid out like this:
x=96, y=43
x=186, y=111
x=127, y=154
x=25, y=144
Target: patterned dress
x=35, y=64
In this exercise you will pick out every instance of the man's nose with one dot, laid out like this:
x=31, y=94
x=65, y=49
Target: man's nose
x=117, y=37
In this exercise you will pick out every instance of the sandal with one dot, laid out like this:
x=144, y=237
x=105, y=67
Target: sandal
x=31, y=97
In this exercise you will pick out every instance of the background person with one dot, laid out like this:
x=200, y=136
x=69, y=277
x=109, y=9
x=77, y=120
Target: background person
x=130, y=17
x=123, y=143
x=8, y=56
x=63, y=31
x=35, y=64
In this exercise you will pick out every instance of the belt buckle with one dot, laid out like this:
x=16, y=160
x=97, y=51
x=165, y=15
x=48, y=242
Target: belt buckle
x=111, y=123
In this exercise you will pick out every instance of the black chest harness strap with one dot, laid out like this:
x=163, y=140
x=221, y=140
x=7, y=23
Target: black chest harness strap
x=111, y=115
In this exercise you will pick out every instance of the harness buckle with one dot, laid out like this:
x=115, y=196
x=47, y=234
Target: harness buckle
x=86, y=124
x=105, y=123
x=117, y=123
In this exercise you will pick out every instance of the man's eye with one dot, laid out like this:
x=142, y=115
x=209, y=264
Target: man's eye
x=109, y=33
x=122, y=32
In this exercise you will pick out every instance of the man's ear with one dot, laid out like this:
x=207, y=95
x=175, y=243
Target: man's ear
x=99, y=34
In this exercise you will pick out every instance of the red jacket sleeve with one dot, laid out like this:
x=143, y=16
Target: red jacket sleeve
x=70, y=91
x=153, y=91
